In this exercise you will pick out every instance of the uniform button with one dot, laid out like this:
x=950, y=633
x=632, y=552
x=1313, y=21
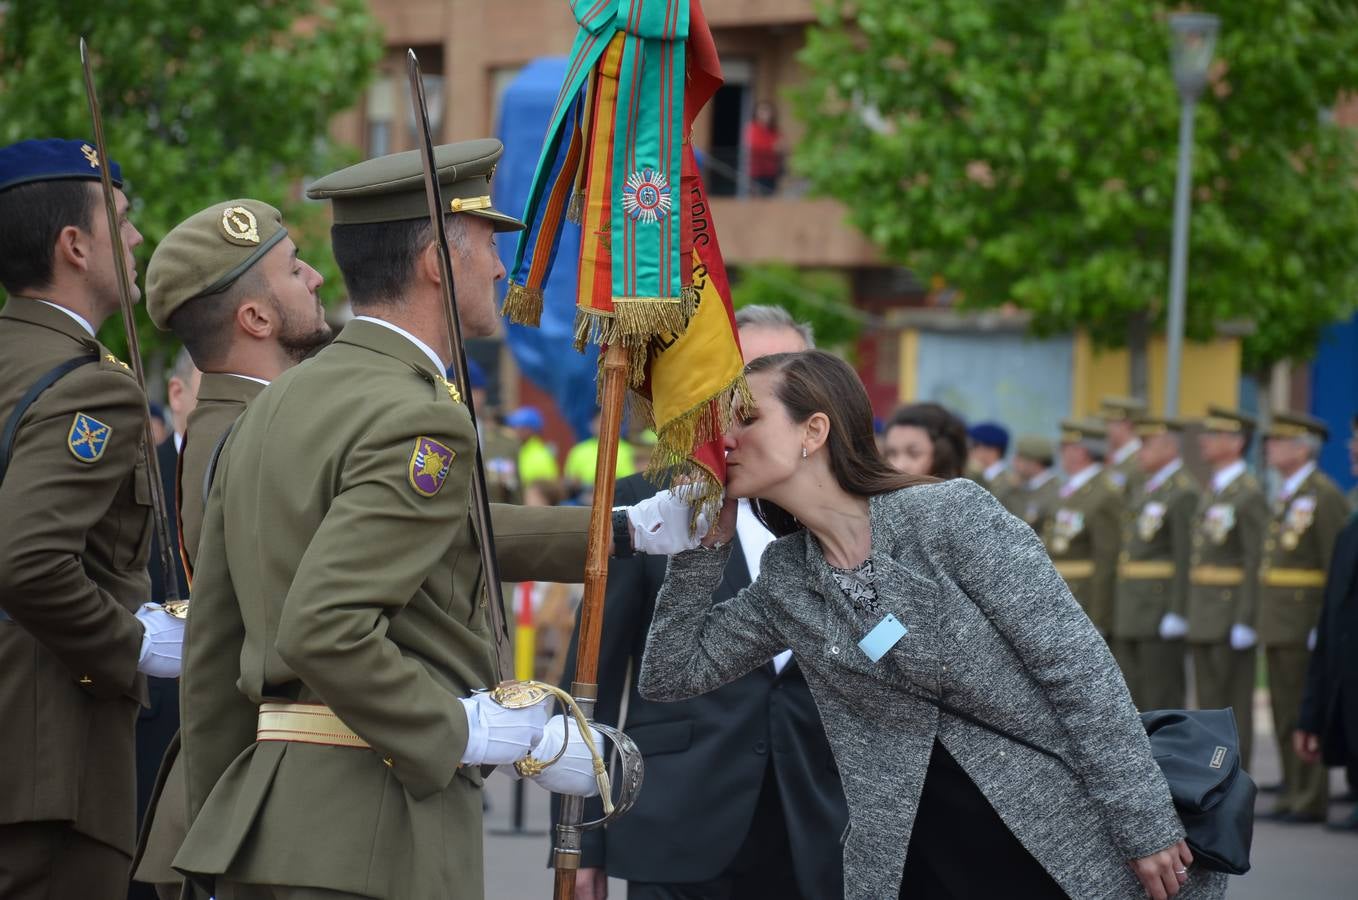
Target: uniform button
x=85, y=679
x=483, y=602
x=760, y=747
x=386, y=761
x=834, y=650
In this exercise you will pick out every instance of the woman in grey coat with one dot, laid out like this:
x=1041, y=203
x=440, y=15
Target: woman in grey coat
x=953, y=599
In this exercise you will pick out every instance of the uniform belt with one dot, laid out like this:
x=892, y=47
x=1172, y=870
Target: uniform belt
x=305, y=723
x=1292, y=578
x=1074, y=568
x=1136, y=570
x=1217, y=576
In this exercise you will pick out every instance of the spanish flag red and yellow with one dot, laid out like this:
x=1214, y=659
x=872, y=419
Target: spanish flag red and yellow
x=617, y=159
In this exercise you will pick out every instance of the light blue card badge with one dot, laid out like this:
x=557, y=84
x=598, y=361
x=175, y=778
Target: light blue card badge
x=882, y=637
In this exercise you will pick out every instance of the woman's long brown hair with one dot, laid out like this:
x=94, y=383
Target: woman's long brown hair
x=813, y=381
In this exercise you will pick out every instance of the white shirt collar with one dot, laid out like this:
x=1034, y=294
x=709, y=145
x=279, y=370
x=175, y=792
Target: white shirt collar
x=1040, y=479
x=1079, y=480
x=1223, y=478
x=439, y=367
x=251, y=377
x=178, y=441
x=995, y=470
x=1125, y=452
x=80, y=320
x=1290, y=485
x=1164, y=474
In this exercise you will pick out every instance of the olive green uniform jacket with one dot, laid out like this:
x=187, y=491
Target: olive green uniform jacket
x=1157, y=544
x=338, y=565
x=74, y=540
x=1035, y=505
x=1228, y=537
x=500, y=453
x=222, y=399
x=1126, y=476
x=1296, y=556
x=1084, y=536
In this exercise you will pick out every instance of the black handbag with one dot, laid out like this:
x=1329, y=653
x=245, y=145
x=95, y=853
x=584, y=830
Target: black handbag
x=1198, y=750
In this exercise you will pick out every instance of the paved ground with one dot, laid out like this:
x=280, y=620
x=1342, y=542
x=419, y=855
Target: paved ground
x=1291, y=862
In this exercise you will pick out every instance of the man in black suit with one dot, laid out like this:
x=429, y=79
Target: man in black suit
x=742, y=799
x=1327, y=727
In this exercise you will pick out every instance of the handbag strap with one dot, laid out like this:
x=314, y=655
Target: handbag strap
x=944, y=706
x=46, y=381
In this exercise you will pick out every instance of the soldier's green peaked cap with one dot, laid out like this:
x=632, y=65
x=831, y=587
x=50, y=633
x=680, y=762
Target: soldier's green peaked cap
x=391, y=188
x=1118, y=409
x=1296, y=424
x=207, y=252
x=1036, y=448
x=1073, y=431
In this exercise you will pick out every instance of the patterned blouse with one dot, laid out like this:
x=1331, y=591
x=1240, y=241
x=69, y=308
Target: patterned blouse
x=858, y=586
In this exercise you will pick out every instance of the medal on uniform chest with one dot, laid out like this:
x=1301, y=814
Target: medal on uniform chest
x=1219, y=521
x=1290, y=539
x=1067, y=525
x=1149, y=523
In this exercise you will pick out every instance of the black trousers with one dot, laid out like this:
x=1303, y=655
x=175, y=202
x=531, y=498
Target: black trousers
x=960, y=849
x=761, y=870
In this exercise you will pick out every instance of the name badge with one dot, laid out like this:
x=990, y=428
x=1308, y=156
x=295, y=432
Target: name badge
x=882, y=637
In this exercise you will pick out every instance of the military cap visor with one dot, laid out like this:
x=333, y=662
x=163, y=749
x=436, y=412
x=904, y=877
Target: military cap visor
x=1150, y=426
x=1075, y=432
x=52, y=160
x=1287, y=425
x=391, y=188
x=207, y=252
x=1221, y=420
x=1117, y=409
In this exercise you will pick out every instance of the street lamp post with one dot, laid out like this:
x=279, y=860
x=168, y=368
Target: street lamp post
x=1195, y=37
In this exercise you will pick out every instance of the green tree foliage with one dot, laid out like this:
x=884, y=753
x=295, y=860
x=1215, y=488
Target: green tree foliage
x=818, y=297
x=1025, y=151
x=201, y=102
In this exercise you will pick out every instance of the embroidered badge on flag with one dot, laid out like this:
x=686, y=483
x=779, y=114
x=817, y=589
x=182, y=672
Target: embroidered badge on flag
x=429, y=464
x=87, y=438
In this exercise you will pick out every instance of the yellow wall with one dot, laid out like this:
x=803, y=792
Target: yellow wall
x=909, y=365
x=1210, y=373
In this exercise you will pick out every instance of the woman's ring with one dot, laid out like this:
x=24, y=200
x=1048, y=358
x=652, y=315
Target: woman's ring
x=1180, y=871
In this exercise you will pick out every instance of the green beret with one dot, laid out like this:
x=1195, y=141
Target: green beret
x=391, y=188
x=206, y=252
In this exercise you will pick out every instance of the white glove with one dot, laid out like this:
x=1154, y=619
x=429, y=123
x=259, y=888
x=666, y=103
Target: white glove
x=660, y=524
x=1173, y=626
x=496, y=735
x=573, y=773
x=162, y=642
x=1311, y=640
x=1243, y=637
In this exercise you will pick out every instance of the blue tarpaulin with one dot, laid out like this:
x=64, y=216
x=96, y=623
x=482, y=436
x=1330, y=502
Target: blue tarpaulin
x=544, y=355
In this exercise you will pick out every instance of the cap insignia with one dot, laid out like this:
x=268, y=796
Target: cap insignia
x=646, y=196
x=90, y=155
x=429, y=465
x=240, y=226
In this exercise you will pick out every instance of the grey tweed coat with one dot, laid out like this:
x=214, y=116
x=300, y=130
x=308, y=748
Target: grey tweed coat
x=993, y=630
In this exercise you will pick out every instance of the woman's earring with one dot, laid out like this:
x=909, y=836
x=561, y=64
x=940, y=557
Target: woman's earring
x=803, y=453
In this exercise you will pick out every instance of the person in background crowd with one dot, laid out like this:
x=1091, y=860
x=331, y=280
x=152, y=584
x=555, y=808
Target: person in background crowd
x=1308, y=513
x=160, y=425
x=77, y=636
x=1151, y=600
x=583, y=460
x=764, y=150
x=743, y=798
x=1119, y=416
x=181, y=393
x=228, y=283
x=989, y=443
x=499, y=448
x=926, y=439
x=958, y=601
x=1223, y=594
x=643, y=448
x=537, y=462
x=1327, y=724
x=1084, y=533
x=1039, y=488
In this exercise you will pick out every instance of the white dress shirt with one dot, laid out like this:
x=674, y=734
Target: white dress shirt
x=1163, y=475
x=754, y=537
x=1222, y=478
x=428, y=351
x=80, y=320
x=1079, y=480
x=1292, y=483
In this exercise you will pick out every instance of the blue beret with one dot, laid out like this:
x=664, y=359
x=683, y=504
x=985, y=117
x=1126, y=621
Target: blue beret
x=52, y=160
x=525, y=417
x=990, y=434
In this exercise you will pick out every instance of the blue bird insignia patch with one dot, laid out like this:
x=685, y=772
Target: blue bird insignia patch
x=87, y=438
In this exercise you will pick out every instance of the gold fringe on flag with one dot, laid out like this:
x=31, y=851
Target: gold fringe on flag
x=522, y=305
x=575, y=209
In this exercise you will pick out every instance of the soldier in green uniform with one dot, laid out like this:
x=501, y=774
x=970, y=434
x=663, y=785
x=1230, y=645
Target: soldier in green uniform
x=1308, y=512
x=339, y=621
x=1084, y=533
x=1223, y=593
x=1038, y=485
x=989, y=443
x=76, y=635
x=227, y=282
x=1149, y=618
x=1120, y=415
